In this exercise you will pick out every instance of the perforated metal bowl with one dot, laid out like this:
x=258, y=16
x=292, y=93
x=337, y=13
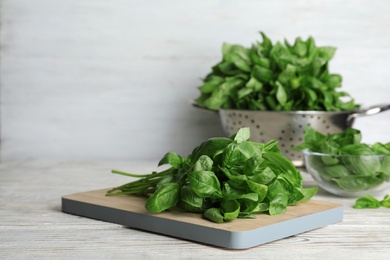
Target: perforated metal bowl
x=289, y=127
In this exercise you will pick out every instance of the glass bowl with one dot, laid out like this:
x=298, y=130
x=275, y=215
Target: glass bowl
x=349, y=175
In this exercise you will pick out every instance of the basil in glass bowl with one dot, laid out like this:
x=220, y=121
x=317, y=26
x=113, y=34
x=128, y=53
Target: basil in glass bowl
x=341, y=164
x=349, y=175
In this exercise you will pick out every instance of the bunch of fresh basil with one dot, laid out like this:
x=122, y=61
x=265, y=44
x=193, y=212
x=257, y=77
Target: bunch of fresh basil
x=274, y=77
x=224, y=179
x=357, y=166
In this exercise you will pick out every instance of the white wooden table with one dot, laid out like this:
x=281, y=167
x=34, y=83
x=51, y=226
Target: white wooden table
x=32, y=225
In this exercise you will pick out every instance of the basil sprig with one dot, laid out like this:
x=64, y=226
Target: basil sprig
x=369, y=202
x=274, y=77
x=224, y=179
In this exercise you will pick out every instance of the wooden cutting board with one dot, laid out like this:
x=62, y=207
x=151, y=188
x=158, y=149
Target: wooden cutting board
x=238, y=234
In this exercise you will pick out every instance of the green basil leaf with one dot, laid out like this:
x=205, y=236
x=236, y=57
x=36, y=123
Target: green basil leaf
x=242, y=135
x=282, y=56
x=281, y=94
x=311, y=96
x=293, y=193
x=260, y=189
x=244, y=92
x=165, y=197
x=330, y=148
x=205, y=184
x=355, y=183
x=265, y=63
x=326, y=52
x=317, y=65
x=386, y=201
x=231, y=175
x=254, y=84
x=239, y=189
x=278, y=204
x=313, y=140
x=288, y=74
x=300, y=47
x=227, y=68
x=271, y=102
x=385, y=169
x=367, y=202
x=271, y=146
x=241, y=63
x=264, y=177
x=267, y=44
x=248, y=207
x=333, y=81
x=204, y=163
x=239, y=153
x=230, y=209
x=262, y=74
x=379, y=148
x=166, y=179
x=360, y=164
x=214, y=214
x=191, y=202
x=217, y=98
x=212, y=83
x=333, y=171
x=173, y=159
x=211, y=147
x=308, y=193
x=251, y=166
x=280, y=162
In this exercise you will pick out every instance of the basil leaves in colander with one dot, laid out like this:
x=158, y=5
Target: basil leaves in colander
x=223, y=179
x=356, y=166
x=274, y=77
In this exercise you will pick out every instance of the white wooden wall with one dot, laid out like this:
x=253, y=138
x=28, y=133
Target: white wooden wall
x=98, y=79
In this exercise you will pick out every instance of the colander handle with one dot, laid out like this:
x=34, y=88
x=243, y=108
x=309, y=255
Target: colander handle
x=367, y=112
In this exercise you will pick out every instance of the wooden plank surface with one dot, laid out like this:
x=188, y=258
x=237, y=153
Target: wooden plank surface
x=33, y=226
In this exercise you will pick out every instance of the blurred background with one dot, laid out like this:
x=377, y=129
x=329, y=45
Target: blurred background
x=114, y=80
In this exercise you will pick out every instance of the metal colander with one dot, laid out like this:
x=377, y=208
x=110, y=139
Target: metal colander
x=288, y=127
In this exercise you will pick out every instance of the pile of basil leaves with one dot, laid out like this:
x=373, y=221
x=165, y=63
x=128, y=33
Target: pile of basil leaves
x=224, y=179
x=357, y=168
x=274, y=77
